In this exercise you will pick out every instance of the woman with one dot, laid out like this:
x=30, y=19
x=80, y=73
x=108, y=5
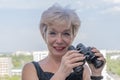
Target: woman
x=59, y=27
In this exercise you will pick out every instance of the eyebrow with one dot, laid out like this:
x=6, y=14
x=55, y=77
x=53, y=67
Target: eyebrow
x=67, y=30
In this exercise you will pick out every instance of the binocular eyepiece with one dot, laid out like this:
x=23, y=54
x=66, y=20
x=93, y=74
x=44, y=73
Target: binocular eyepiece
x=89, y=57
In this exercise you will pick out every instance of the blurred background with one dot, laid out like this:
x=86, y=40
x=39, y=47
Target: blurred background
x=21, y=42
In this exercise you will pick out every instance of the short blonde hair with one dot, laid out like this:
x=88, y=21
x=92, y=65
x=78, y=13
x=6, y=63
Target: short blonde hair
x=59, y=15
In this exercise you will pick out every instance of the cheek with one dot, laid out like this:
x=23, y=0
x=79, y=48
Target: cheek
x=69, y=41
x=49, y=40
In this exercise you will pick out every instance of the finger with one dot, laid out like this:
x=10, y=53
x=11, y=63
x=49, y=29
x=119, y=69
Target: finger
x=76, y=60
x=76, y=64
x=102, y=59
x=71, y=52
x=99, y=54
x=74, y=55
x=95, y=50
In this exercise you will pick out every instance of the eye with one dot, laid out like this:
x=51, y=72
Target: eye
x=52, y=33
x=67, y=34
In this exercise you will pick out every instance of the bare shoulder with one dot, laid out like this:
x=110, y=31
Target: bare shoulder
x=29, y=72
x=28, y=67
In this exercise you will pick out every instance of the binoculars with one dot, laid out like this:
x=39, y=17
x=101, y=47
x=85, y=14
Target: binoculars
x=89, y=57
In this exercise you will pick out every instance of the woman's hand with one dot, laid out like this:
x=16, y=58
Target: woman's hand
x=97, y=71
x=69, y=61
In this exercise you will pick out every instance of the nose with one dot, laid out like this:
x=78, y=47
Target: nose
x=59, y=39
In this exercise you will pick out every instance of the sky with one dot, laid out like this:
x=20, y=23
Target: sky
x=19, y=23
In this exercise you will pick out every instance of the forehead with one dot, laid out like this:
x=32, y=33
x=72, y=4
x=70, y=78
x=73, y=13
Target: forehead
x=59, y=28
x=60, y=24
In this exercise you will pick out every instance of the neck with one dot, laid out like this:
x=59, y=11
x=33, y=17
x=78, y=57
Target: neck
x=54, y=60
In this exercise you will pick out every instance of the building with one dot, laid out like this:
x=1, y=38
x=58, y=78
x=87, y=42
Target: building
x=38, y=55
x=16, y=72
x=5, y=66
x=17, y=53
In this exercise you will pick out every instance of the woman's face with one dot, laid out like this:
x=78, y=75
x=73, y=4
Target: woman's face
x=58, y=39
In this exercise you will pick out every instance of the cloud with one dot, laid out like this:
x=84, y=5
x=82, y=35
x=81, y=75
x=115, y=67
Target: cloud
x=86, y=4
x=99, y=7
x=111, y=10
x=39, y=4
x=25, y=4
x=111, y=7
x=115, y=8
x=32, y=4
x=112, y=1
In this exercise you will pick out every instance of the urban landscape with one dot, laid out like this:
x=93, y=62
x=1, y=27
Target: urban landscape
x=11, y=64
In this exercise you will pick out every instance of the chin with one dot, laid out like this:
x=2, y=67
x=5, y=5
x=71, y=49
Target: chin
x=57, y=52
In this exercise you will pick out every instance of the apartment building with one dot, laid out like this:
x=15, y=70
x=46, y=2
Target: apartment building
x=5, y=66
x=38, y=55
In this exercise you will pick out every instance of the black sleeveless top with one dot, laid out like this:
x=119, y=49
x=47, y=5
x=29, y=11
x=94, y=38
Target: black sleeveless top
x=47, y=75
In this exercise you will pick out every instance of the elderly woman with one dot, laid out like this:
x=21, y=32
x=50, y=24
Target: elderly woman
x=59, y=27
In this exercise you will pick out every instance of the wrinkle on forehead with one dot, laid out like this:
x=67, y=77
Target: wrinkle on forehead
x=61, y=24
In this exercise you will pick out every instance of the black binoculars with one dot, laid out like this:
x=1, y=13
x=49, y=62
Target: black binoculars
x=89, y=57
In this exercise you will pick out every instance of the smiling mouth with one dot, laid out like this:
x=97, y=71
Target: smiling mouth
x=59, y=48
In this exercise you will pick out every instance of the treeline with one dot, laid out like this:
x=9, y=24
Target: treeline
x=19, y=61
x=113, y=65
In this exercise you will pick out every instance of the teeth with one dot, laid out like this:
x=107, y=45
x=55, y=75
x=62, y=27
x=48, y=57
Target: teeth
x=59, y=48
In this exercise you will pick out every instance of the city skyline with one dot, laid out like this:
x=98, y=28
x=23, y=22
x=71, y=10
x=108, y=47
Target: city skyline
x=19, y=23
